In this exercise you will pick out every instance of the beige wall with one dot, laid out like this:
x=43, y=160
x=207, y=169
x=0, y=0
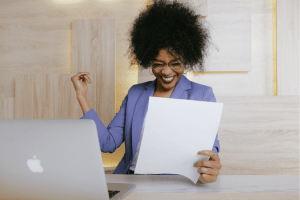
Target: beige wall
x=35, y=37
x=260, y=80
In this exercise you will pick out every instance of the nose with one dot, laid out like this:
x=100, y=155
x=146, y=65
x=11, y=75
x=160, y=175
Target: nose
x=167, y=70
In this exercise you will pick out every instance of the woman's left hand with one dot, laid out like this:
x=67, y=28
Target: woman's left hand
x=209, y=169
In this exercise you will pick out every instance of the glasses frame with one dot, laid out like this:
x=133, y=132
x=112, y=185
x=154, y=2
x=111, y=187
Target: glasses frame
x=164, y=65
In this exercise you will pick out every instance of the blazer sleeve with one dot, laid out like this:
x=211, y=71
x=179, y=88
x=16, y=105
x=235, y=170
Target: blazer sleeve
x=209, y=96
x=112, y=137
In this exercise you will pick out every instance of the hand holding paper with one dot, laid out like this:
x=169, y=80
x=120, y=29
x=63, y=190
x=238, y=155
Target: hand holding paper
x=175, y=130
x=209, y=169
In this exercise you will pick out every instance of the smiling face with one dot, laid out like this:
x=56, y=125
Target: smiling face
x=167, y=78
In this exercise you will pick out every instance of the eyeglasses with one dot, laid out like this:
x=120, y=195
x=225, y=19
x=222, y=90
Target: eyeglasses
x=159, y=66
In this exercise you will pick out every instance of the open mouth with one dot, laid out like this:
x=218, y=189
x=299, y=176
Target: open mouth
x=170, y=79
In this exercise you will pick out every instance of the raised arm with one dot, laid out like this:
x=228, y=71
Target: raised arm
x=84, y=104
x=111, y=137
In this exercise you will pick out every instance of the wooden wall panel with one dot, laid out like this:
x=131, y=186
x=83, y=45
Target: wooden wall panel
x=32, y=47
x=200, y=6
x=258, y=82
x=93, y=51
x=288, y=47
x=259, y=152
x=259, y=135
x=230, y=28
x=24, y=96
x=35, y=37
x=7, y=108
x=49, y=96
x=260, y=112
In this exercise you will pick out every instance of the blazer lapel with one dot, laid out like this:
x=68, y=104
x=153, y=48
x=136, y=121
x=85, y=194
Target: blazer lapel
x=180, y=91
x=139, y=114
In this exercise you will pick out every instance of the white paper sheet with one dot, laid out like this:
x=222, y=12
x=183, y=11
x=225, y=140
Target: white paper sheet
x=175, y=130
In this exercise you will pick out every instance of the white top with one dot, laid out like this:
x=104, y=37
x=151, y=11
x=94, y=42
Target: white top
x=133, y=164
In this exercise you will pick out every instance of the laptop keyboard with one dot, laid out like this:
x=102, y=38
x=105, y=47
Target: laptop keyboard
x=112, y=193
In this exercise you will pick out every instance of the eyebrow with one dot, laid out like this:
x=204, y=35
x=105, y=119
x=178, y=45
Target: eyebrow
x=170, y=61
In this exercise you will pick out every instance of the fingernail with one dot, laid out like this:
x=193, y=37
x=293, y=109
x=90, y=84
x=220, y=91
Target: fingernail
x=200, y=152
x=195, y=165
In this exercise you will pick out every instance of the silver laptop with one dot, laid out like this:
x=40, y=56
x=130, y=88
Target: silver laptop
x=53, y=159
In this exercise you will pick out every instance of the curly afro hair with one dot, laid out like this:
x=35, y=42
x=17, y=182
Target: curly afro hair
x=170, y=25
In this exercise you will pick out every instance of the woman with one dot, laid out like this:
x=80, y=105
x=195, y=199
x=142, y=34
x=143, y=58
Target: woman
x=167, y=39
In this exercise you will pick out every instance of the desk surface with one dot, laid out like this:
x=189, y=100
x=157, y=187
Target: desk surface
x=227, y=186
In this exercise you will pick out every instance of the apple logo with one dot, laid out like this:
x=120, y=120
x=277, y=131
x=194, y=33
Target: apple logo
x=35, y=165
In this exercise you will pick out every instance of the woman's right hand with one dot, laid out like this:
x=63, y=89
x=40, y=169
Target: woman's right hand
x=79, y=81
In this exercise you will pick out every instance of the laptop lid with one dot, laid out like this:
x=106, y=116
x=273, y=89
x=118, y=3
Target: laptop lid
x=51, y=159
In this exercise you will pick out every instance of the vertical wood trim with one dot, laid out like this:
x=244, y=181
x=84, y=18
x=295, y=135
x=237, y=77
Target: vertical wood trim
x=7, y=108
x=274, y=14
x=71, y=51
x=287, y=47
x=23, y=99
x=9, y=105
x=93, y=50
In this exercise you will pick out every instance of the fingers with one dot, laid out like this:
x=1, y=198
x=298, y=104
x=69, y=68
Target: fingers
x=82, y=76
x=86, y=78
x=213, y=165
x=208, y=164
x=208, y=175
x=204, y=163
x=208, y=171
x=205, y=178
x=210, y=153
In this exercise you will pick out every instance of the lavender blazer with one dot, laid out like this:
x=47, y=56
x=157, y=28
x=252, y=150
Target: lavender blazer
x=128, y=122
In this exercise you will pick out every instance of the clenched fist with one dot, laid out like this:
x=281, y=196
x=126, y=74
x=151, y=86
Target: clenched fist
x=80, y=83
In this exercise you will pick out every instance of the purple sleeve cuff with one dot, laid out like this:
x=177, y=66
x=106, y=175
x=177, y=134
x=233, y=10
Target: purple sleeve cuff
x=89, y=114
x=215, y=150
x=210, y=97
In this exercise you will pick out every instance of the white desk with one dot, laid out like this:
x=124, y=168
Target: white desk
x=226, y=187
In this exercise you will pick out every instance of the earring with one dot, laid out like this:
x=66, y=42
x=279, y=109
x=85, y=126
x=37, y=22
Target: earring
x=150, y=71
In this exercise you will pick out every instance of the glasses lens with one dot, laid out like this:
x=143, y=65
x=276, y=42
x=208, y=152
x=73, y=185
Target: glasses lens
x=157, y=66
x=175, y=66
x=160, y=66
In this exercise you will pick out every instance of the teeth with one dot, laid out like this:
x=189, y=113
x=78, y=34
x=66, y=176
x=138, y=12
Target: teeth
x=168, y=79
